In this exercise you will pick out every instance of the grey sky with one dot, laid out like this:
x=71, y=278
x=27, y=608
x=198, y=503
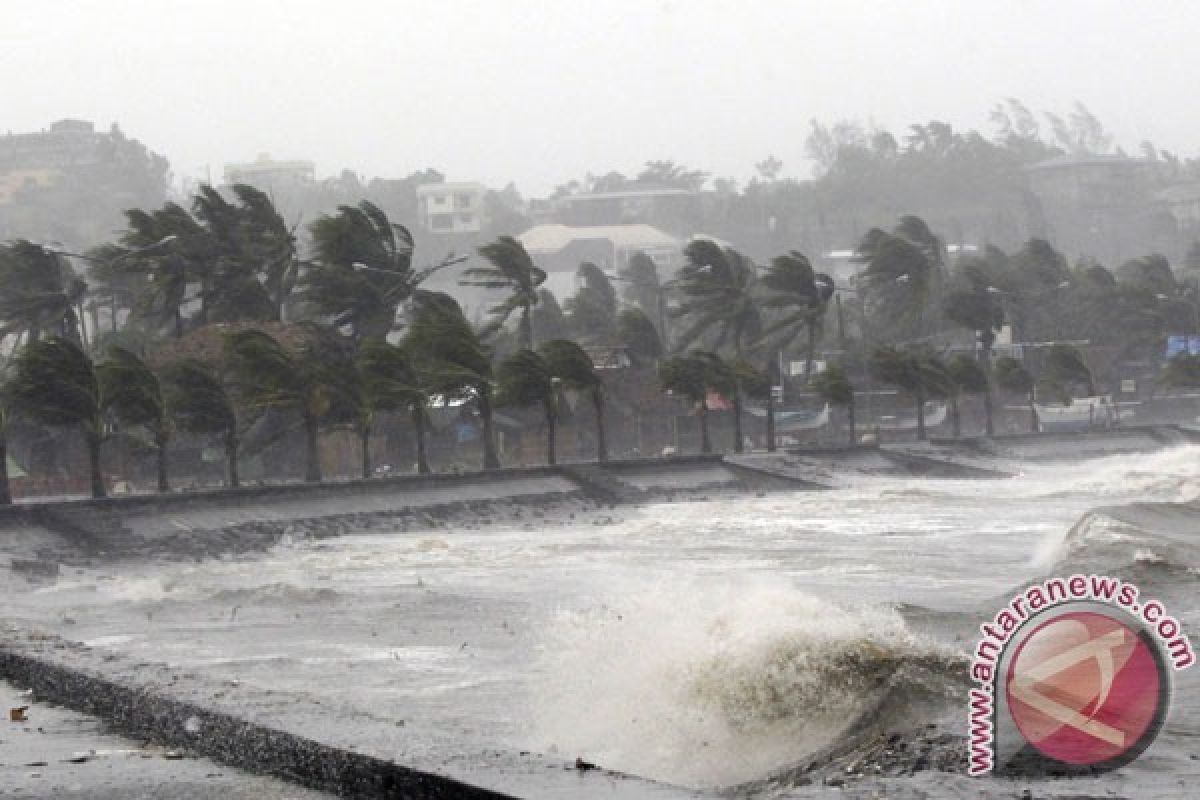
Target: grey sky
x=542, y=92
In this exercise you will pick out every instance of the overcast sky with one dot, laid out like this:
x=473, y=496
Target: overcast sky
x=538, y=93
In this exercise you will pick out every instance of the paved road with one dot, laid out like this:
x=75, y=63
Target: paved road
x=111, y=767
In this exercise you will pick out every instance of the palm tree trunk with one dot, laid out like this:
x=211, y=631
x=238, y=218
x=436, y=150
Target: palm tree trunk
x=525, y=327
x=771, y=419
x=93, y=448
x=810, y=354
x=1033, y=415
x=490, y=459
x=163, y=484
x=364, y=433
x=5, y=489
x=920, y=416
x=988, y=412
x=601, y=431
x=955, y=417
x=738, y=447
x=418, y=420
x=551, y=434
x=705, y=442
x=231, y=460
x=178, y=323
x=850, y=422
x=312, y=450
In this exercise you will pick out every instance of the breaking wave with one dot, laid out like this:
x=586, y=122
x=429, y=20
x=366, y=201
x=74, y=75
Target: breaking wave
x=712, y=685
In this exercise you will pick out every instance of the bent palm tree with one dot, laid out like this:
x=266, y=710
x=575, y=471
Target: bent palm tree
x=55, y=384
x=524, y=379
x=134, y=394
x=318, y=384
x=570, y=364
x=692, y=375
x=834, y=387
x=512, y=269
x=390, y=383
x=38, y=293
x=451, y=360
x=201, y=404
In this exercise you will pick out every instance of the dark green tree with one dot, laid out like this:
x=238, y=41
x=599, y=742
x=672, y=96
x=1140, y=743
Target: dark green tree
x=55, y=384
x=513, y=270
x=390, y=384
x=569, y=364
x=134, y=395
x=524, y=379
x=1012, y=377
x=639, y=337
x=593, y=309
x=966, y=376
x=200, y=404
x=39, y=293
x=451, y=360
x=833, y=386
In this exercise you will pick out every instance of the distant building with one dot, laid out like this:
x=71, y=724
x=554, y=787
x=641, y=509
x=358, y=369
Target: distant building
x=1183, y=204
x=266, y=174
x=1094, y=205
x=448, y=208
x=560, y=249
x=39, y=159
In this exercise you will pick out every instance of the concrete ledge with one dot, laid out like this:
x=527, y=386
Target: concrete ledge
x=228, y=739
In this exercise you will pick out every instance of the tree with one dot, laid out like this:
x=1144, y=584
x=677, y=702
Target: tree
x=512, y=269
x=363, y=270
x=717, y=285
x=390, y=383
x=165, y=274
x=200, y=404
x=833, y=386
x=974, y=307
x=55, y=384
x=966, y=376
x=1065, y=366
x=642, y=288
x=571, y=365
x=639, y=337
x=898, y=275
x=39, y=293
x=524, y=379
x=692, y=375
x=802, y=297
x=593, y=309
x=318, y=383
x=451, y=360
x=134, y=394
x=915, y=373
x=1012, y=376
x=548, y=318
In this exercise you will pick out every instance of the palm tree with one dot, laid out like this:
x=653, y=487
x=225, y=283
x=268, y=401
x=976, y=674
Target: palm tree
x=642, y=288
x=573, y=367
x=39, y=293
x=899, y=278
x=593, y=309
x=1012, y=376
x=917, y=374
x=363, y=271
x=318, y=383
x=55, y=384
x=833, y=386
x=451, y=360
x=267, y=243
x=966, y=376
x=691, y=375
x=166, y=274
x=390, y=383
x=1065, y=365
x=548, y=318
x=718, y=289
x=639, y=337
x=802, y=296
x=134, y=395
x=512, y=269
x=199, y=403
x=976, y=309
x=524, y=379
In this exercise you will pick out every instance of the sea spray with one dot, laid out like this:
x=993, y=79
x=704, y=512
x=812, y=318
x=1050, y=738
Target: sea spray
x=711, y=682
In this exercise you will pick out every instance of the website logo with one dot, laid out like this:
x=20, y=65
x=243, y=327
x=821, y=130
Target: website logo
x=1074, y=675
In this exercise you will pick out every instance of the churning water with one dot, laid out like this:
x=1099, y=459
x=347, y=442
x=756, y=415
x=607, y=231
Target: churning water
x=704, y=643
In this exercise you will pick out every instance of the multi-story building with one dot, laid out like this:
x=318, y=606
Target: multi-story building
x=268, y=174
x=448, y=208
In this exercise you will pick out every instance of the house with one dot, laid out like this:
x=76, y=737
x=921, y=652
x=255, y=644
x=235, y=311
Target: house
x=560, y=249
x=267, y=174
x=451, y=207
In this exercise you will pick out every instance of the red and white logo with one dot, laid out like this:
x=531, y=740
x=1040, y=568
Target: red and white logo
x=1085, y=689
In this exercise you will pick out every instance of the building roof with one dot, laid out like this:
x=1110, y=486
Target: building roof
x=553, y=237
x=1090, y=160
x=460, y=186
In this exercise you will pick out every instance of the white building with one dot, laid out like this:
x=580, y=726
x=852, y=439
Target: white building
x=451, y=207
x=266, y=174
